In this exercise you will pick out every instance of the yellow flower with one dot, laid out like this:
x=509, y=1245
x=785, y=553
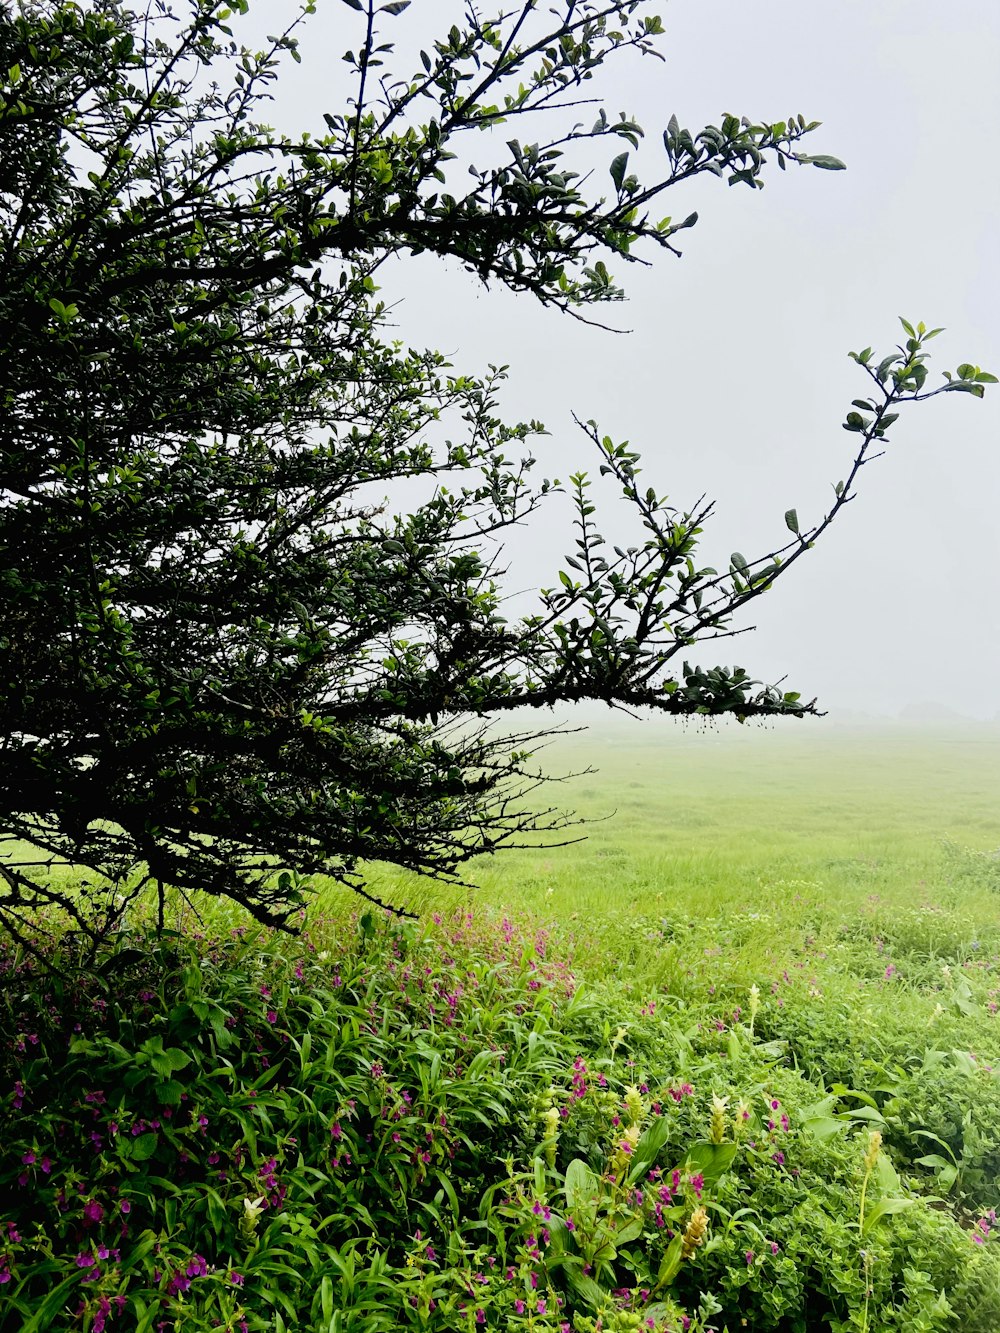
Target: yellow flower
x=694, y=1232
x=873, y=1149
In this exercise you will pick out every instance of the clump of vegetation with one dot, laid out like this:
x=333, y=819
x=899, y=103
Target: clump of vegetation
x=437, y=1127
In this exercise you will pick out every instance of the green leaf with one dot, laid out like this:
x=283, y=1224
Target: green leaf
x=884, y=1208
x=586, y=1288
x=144, y=1147
x=824, y=162
x=712, y=1160
x=671, y=1262
x=792, y=521
x=648, y=1147
x=617, y=169
x=581, y=1187
x=822, y=1127
x=169, y=1092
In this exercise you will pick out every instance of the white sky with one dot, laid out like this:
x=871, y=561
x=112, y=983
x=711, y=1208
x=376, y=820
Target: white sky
x=735, y=379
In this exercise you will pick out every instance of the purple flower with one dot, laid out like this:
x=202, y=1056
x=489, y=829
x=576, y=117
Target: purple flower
x=93, y=1212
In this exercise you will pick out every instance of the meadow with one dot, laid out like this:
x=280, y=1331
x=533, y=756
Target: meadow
x=731, y=1063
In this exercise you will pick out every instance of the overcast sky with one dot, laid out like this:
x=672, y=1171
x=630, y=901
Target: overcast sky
x=734, y=378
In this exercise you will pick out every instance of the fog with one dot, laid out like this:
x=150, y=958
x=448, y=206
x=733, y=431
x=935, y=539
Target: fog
x=733, y=378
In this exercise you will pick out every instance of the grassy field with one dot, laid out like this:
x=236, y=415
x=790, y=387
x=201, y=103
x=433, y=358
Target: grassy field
x=733, y=1062
x=803, y=825
x=724, y=813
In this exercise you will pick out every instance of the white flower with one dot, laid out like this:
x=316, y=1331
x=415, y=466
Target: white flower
x=252, y=1209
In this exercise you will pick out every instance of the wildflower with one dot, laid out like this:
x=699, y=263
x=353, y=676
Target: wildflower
x=633, y=1104
x=694, y=1232
x=717, y=1124
x=873, y=1149
x=251, y=1214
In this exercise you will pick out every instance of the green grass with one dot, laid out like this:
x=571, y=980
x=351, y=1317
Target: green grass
x=803, y=825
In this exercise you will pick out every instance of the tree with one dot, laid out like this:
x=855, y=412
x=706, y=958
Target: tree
x=224, y=655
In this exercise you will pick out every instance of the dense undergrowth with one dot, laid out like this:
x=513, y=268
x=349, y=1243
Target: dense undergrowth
x=467, y=1124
